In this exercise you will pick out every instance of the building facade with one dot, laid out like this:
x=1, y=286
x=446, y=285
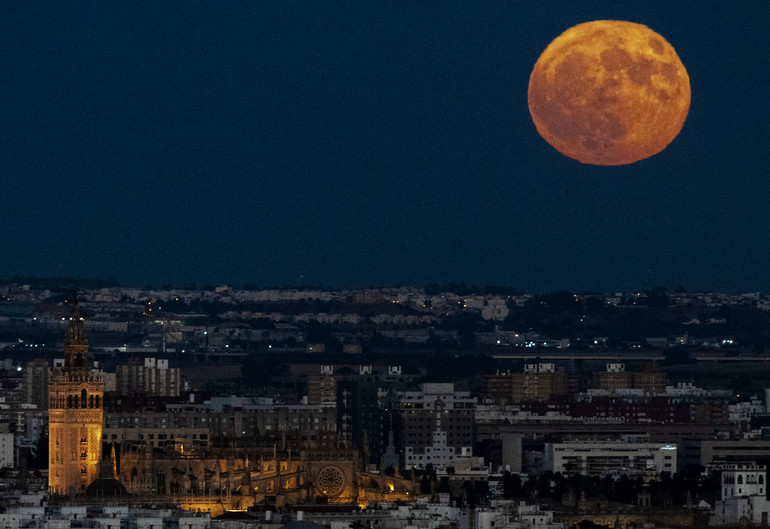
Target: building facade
x=322, y=388
x=367, y=410
x=7, y=450
x=538, y=382
x=615, y=378
x=437, y=424
x=610, y=458
x=35, y=377
x=152, y=378
x=744, y=495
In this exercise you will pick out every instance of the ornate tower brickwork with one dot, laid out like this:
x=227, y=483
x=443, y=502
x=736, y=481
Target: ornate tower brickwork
x=75, y=395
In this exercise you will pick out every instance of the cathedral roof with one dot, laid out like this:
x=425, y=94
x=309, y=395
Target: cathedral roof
x=106, y=487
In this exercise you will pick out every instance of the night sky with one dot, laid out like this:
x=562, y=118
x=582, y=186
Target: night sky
x=356, y=144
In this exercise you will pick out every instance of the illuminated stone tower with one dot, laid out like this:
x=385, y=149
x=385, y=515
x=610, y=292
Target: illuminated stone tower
x=74, y=415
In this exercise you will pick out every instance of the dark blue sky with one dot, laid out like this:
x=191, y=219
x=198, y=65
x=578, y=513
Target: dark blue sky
x=366, y=143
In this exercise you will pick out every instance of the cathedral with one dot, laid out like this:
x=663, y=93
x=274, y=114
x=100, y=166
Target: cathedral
x=219, y=480
x=213, y=479
x=75, y=396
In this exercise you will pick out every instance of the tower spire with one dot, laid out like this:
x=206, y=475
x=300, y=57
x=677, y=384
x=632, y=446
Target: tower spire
x=75, y=341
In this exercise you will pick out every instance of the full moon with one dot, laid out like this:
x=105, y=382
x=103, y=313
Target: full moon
x=609, y=92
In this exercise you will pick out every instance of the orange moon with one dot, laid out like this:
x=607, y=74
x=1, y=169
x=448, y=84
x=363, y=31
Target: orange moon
x=609, y=92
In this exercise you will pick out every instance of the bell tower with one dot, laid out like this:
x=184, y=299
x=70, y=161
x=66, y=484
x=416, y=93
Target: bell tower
x=74, y=415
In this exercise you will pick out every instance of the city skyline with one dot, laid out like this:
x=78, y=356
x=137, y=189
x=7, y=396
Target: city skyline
x=370, y=144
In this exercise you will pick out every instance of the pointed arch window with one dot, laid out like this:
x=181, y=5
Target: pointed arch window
x=83, y=399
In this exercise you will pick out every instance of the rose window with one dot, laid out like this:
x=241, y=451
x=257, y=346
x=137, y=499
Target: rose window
x=331, y=481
